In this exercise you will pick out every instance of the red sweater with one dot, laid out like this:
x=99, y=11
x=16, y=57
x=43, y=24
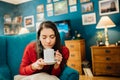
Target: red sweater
x=30, y=56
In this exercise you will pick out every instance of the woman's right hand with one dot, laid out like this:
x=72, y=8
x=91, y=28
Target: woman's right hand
x=39, y=64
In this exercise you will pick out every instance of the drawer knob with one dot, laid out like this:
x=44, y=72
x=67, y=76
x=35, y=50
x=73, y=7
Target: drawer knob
x=72, y=55
x=107, y=58
x=108, y=68
x=71, y=46
x=107, y=51
x=73, y=65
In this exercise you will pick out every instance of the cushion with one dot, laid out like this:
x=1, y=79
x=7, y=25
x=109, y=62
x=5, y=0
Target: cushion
x=69, y=74
x=38, y=76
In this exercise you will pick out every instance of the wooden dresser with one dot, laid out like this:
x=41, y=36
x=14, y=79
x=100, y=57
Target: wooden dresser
x=106, y=60
x=77, y=53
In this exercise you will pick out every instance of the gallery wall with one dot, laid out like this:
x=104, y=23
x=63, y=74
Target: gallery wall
x=88, y=32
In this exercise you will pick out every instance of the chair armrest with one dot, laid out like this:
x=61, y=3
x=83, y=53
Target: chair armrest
x=69, y=74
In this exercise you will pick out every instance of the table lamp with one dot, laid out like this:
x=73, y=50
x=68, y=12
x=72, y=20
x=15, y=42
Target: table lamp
x=105, y=22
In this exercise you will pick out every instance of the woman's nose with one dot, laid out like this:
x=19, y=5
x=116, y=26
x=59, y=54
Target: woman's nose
x=48, y=40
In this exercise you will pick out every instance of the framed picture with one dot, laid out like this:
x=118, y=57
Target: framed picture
x=40, y=16
x=87, y=7
x=88, y=19
x=72, y=2
x=55, y=0
x=49, y=7
x=108, y=7
x=29, y=21
x=49, y=13
x=17, y=20
x=73, y=8
x=82, y=1
x=40, y=8
x=60, y=7
x=7, y=18
x=38, y=25
x=49, y=1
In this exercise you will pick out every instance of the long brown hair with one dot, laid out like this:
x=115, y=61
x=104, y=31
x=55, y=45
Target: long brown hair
x=51, y=25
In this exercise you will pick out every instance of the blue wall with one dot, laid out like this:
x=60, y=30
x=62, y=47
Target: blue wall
x=88, y=32
x=5, y=8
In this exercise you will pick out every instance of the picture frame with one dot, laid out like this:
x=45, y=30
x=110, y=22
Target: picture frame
x=49, y=1
x=7, y=18
x=38, y=25
x=17, y=20
x=6, y=30
x=72, y=2
x=60, y=7
x=49, y=13
x=40, y=8
x=107, y=7
x=29, y=21
x=82, y=1
x=73, y=8
x=87, y=7
x=88, y=19
x=49, y=7
x=40, y=17
x=55, y=0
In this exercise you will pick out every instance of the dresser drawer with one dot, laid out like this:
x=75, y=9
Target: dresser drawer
x=75, y=65
x=110, y=58
x=74, y=55
x=73, y=47
x=107, y=68
x=74, y=44
x=106, y=51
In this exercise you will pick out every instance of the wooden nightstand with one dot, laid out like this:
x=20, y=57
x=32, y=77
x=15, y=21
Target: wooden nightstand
x=77, y=53
x=106, y=60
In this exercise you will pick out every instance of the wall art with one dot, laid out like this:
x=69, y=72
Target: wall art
x=87, y=7
x=108, y=7
x=88, y=19
x=72, y=2
x=82, y=1
x=49, y=13
x=60, y=7
x=49, y=7
x=29, y=21
x=73, y=8
x=40, y=16
x=40, y=8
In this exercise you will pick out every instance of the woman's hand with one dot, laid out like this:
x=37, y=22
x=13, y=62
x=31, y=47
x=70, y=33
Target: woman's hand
x=39, y=64
x=58, y=58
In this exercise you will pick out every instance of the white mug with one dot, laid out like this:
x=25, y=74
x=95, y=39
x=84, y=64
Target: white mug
x=49, y=55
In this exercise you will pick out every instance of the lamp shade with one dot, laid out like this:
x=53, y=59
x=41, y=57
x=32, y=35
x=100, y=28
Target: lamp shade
x=105, y=22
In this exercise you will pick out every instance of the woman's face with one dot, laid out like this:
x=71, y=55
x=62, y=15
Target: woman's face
x=47, y=37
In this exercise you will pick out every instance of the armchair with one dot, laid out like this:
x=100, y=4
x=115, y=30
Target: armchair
x=11, y=51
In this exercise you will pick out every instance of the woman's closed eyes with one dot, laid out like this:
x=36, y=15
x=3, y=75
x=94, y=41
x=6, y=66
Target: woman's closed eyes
x=50, y=37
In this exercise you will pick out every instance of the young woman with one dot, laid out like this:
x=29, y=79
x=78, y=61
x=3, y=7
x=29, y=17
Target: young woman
x=33, y=62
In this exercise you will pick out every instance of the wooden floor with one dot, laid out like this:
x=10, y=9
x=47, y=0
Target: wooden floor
x=83, y=77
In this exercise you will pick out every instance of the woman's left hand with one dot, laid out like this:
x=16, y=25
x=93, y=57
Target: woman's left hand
x=58, y=57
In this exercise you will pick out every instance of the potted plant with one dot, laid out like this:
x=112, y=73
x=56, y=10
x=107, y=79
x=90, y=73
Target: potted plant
x=99, y=39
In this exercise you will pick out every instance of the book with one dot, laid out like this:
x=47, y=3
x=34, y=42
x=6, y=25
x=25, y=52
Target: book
x=88, y=72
